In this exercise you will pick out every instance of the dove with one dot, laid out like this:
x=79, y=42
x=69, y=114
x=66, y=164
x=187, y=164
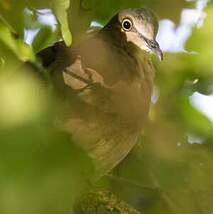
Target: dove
x=107, y=82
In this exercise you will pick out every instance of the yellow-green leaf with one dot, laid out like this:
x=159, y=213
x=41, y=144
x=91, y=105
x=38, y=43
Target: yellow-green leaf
x=17, y=46
x=60, y=8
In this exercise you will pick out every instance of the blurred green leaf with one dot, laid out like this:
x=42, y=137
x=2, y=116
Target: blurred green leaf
x=60, y=8
x=175, y=185
x=104, y=10
x=42, y=171
x=12, y=13
x=196, y=121
x=201, y=43
x=23, y=99
x=17, y=46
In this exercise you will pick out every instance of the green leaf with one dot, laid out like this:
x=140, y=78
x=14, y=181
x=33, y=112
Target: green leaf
x=44, y=38
x=22, y=97
x=201, y=43
x=17, y=46
x=42, y=171
x=194, y=119
x=60, y=8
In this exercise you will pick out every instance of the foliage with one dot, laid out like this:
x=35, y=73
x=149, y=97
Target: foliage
x=42, y=171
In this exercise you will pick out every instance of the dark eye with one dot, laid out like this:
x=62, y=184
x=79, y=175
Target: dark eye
x=127, y=24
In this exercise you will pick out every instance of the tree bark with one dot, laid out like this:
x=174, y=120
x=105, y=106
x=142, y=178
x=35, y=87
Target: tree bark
x=102, y=202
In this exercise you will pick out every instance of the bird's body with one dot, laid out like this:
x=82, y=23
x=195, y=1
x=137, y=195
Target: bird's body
x=111, y=82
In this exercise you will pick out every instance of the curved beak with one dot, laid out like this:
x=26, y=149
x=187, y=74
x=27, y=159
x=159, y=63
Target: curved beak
x=158, y=52
x=153, y=46
x=155, y=49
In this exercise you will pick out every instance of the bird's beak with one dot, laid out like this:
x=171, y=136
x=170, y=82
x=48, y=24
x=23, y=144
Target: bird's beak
x=158, y=52
x=153, y=46
x=155, y=49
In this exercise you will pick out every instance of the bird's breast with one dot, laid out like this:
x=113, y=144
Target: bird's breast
x=119, y=82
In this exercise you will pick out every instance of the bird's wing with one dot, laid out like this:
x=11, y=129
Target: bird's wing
x=105, y=119
x=105, y=137
x=111, y=151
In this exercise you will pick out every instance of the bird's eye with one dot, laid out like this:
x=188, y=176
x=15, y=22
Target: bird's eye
x=127, y=24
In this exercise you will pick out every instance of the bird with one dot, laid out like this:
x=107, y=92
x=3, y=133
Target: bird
x=106, y=81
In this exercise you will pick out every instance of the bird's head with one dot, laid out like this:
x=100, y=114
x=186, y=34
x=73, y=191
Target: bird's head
x=138, y=26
